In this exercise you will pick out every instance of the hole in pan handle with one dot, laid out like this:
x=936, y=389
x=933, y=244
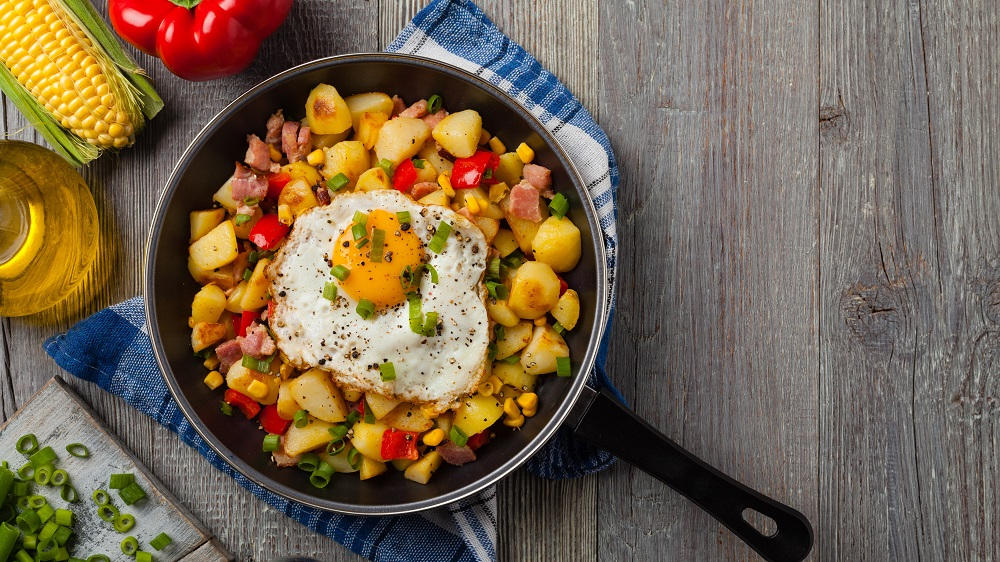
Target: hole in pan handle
x=603, y=421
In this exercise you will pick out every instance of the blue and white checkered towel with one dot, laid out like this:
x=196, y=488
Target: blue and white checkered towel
x=112, y=348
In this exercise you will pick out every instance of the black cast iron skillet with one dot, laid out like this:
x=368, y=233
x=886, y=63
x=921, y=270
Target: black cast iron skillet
x=564, y=402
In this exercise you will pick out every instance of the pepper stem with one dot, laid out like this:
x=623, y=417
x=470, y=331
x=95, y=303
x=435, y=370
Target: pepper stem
x=186, y=3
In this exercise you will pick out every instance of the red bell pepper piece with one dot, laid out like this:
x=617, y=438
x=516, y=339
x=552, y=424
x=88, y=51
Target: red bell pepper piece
x=405, y=176
x=272, y=422
x=242, y=321
x=198, y=39
x=563, y=285
x=478, y=440
x=268, y=232
x=270, y=309
x=398, y=444
x=468, y=172
x=247, y=405
x=277, y=182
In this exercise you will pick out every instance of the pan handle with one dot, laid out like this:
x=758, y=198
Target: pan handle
x=602, y=420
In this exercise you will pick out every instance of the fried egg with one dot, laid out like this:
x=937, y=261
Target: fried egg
x=312, y=330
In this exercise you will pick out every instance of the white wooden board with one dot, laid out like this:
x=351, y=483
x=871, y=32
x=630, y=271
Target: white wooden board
x=58, y=417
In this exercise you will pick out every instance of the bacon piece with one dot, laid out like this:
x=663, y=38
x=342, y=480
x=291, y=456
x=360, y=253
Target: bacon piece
x=258, y=154
x=228, y=352
x=398, y=105
x=524, y=202
x=453, y=454
x=305, y=141
x=424, y=188
x=257, y=342
x=283, y=459
x=540, y=177
x=274, y=126
x=418, y=110
x=246, y=184
x=291, y=139
x=323, y=196
x=434, y=118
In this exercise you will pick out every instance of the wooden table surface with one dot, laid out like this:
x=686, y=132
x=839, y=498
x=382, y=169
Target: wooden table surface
x=809, y=267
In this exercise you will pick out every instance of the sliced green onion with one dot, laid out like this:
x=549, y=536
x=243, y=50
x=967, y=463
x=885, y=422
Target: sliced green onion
x=360, y=218
x=434, y=103
x=130, y=546
x=434, y=272
x=64, y=517
x=19, y=489
x=30, y=542
x=365, y=309
x=253, y=257
x=358, y=231
x=330, y=291
x=386, y=166
x=309, y=462
x=352, y=458
x=251, y=201
x=45, y=513
x=226, y=409
x=493, y=270
x=119, y=481
x=143, y=557
x=242, y=219
x=418, y=163
x=98, y=558
x=558, y=328
x=48, y=531
x=335, y=183
x=27, y=444
x=62, y=536
x=378, y=245
x=320, y=477
x=388, y=371
x=369, y=415
x=430, y=324
x=36, y=502
x=69, y=494
x=340, y=272
x=338, y=431
x=563, y=367
x=496, y=290
x=403, y=216
x=46, y=547
x=301, y=419
x=270, y=443
x=559, y=205
x=43, y=475
x=352, y=418
x=26, y=472
x=457, y=436
x=335, y=447
x=132, y=493
x=161, y=541
x=101, y=497
x=440, y=238
x=107, y=512
x=416, y=316
x=124, y=522
x=23, y=556
x=361, y=243
x=499, y=332
x=488, y=174
x=59, y=477
x=45, y=456
x=247, y=273
x=511, y=359
x=259, y=365
x=78, y=450
x=28, y=522
x=491, y=350
x=514, y=259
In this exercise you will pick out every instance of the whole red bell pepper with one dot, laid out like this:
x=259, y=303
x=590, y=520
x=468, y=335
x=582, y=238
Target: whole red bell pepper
x=398, y=444
x=268, y=232
x=272, y=422
x=405, y=176
x=244, y=403
x=470, y=172
x=199, y=39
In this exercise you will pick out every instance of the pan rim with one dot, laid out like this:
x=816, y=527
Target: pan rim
x=544, y=434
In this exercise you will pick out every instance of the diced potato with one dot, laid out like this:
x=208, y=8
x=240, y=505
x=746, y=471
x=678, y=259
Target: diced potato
x=301, y=170
x=239, y=378
x=234, y=303
x=486, y=208
x=401, y=138
x=224, y=196
x=204, y=221
x=401, y=464
x=373, y=179
x=380, y=405
x=368, y=439
x=567, y=310
x=326, y=141
x=370, y=102
x=539, y=357
x=351, y=395
x=429, y=152
x=489, y=226
x=504, y=242
x=327, y=111
x=347, y=157
x=243, y=229
x=514, y=340
x=300, y=440
x=515, y=376
x=510, y=168
x=428, y=172
x=557, y=243
x=287, y=405
x=444, y=422
x=476, y=413
x=371, y=468
x=369, y=127
x=315, y=392
x=339, y=461
x=534, y=290
x=524, y=230
x=215, y=249
x=408, y=417
x=459, y=133
x=255, y=294
x=205, y=334
x=438, y=197
x=221, y=276
x=299, y=197
x=208, y=304
x=499, y=312
x=421, y=470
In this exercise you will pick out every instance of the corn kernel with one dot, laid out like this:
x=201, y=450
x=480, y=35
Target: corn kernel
x=510, y=408
x=275, y=153
x=496, y=383
x=525, y=153
x=486, y=389
x=514, y=422
x=484, y=136
x=433, y=437
x=316, y=157
x=497, y=146
x=529, y=412
x=445, y=182
x=213, y=380
x=285, y=214
x=472, y=203
x=528, y=401
x=498, y=191
x=257, y=389
x=211, y=363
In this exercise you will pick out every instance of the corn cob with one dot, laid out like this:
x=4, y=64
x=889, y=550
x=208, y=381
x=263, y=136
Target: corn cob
x=67, y=73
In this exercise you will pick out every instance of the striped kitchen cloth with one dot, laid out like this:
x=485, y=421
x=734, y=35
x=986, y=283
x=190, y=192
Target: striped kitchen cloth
x=112, y=347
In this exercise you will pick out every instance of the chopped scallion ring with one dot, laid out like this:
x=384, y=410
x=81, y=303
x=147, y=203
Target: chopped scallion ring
x=101, y=497
x=352, y=458
x=365, y=309
x=119, y=481
x=563, y=367
x=69, y=494
x=558, y=328
x=301, y=419
x=59, y=477
x=360, y=218
x=143, y=557
x=320, y=477
x=430, y=324
x=434, y=103
x=132, y=493
x=499, y=331
x=457, y=436
x=43, y=475
x=378, y=245
x=386, y=166
x=36, y=502
x=416, y=316
x=418, y=163
x=434, y=272
x=496, y=290
x=511, y=359
x=26, y=472
x=27, y=444
x=107, y=512
x=338, y=431
x=247, y=273
x=161, y=541
x=270, y=443
x=388, y=371
x=130, y=546
x=337, y=182
x=124, y=522
x=335, y=447
x=309, y=462
x=330, y=291
x=493, y=270
x=358, y=231
x=46, y=455
x=259, y=365
x=98, y=558
x=440, y=238
x=559, y=205
x=369, y=415
x=403, y=216
x=242, y=219
x=64, y=517
x=340, y=272
x=226, y=409
x=78, y=450
x=361, y=243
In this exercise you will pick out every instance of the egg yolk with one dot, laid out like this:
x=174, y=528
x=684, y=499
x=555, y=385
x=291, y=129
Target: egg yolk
x=378, y=281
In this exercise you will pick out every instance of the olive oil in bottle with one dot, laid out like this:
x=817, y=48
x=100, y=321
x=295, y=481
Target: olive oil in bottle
x=48, y=229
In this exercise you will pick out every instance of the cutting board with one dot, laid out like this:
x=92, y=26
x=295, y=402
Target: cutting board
x=58, y=416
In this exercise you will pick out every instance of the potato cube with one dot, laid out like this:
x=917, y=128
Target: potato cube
x=240, y=379
x=408, y=417
x=208, y=304
x=315, y=392
x=224, y=196
x=476, y=413
x=234, y=303
x=421, y=470
x=339, y=461
x=299, y=197
x=371, y=468
x=513, y=374
x=429, y=153
x=504, y=242
x=204, y=221
x=373, y=179
x=287, y=406
x=300, y=440
x=438, y=197
x=524, y=230
x=489, y=226
x=380, y=405
x=371, y=102
x=499, y=312
x=557, y=243
x=534, y=290
x=205, y=334
x=302, y=171
x=368, y=439
x=349, y=158
x=326, y=111
x=459, y=133
x=221, y=276
x=255, y=294
x=244, y=227
x=369, y=127
x=539, y=357
x=510, y=168
x=514, y=340
x=401, y=138
x=215, y=249
x=567, y=310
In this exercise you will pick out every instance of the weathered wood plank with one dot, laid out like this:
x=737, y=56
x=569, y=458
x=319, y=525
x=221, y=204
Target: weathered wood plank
x=711, y=109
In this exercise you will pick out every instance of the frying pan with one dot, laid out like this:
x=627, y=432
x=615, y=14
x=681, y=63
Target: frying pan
x=563, y=402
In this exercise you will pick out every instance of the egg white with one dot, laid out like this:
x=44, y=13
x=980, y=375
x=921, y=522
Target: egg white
x=312, y=331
